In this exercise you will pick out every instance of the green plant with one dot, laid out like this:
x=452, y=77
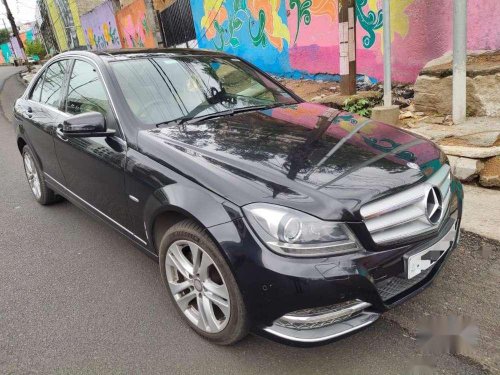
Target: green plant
x=362, y=107
x=4, y=36
x=35, y=47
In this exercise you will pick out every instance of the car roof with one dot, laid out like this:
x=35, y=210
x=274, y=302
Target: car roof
x=131, y=53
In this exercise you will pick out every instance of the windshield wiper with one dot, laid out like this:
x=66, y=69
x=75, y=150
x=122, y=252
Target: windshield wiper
x=232, y=112
x=229, y=112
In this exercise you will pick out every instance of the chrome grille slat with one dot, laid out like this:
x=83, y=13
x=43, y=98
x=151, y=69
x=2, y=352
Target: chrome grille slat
x=403, y=215
x=395, y=218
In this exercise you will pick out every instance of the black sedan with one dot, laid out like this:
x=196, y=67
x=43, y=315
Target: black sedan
x=265, y=213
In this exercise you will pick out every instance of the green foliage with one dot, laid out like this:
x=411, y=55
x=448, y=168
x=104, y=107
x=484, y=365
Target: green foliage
x=4, y=36
x=35, y=47
x=362, y=107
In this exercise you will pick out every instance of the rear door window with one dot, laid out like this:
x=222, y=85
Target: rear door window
x=37, y=90
x=53, y=84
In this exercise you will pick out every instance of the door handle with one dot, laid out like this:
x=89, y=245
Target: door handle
x=60, y=134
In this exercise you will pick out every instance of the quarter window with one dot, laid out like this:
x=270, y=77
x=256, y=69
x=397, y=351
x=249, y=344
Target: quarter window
x=86, y=92
x=53, y=84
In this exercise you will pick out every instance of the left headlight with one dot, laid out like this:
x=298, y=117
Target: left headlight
x=294, y=233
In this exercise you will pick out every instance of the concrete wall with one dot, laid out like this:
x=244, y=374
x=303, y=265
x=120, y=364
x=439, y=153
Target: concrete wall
x=100, y=28
x=300, y=38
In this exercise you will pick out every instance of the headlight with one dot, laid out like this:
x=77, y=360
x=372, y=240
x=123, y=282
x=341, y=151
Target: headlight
x=295, y=233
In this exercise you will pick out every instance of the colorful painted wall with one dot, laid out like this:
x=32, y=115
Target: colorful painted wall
x=133, y=26
x=100, y=29
x=12, y=49
x=300, y=37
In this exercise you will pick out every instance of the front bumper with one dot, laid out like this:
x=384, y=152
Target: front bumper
x=274, y=286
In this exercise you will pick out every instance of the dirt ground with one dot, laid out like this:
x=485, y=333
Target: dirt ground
x=308, y=89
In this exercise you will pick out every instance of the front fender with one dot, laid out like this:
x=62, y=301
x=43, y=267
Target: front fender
x=204, y=207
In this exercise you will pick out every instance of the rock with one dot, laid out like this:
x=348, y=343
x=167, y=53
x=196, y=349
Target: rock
x=433, y=88
x=488, y=92
x=490, y=175
x=453, y=161
x=387, y=115
x=337, y=100
x=471, y=152
x=447, y=58
x=484, y=139
x=466, y=169
x=434, y=95
x=436, y=120
x=405, y=115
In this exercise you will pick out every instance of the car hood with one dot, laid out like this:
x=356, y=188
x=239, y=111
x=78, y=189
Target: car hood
x=306, y=156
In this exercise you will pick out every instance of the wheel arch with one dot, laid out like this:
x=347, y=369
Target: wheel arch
x=174, y=203
x=21, y=143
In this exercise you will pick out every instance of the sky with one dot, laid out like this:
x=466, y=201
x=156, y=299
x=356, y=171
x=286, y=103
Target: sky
x=22, y=10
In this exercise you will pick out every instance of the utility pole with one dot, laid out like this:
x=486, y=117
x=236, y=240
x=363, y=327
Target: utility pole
x=387, y=54
x=459, y=61
x=13, y=26
x=347, y=41
x=387, y=113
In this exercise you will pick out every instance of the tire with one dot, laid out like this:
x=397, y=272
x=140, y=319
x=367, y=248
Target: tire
x=179, y=245
x=42, y=193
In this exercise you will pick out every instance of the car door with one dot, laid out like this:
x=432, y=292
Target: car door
x=93, y=167
x=39, y=115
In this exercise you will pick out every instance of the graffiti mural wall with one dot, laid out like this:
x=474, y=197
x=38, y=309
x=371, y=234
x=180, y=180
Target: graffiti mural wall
x=300, y=37
x=253, y=29
x=133, y=27
x=12, y=49
x=100, y=29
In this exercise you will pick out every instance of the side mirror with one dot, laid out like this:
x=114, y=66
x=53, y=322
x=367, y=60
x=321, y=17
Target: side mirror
x=88, y=124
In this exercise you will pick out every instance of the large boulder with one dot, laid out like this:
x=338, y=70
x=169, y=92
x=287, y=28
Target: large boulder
x=490, y=174
x=465, y=169
x=433, y=88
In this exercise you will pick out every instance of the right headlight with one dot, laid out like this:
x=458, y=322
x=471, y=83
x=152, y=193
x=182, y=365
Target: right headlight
x=295, y=233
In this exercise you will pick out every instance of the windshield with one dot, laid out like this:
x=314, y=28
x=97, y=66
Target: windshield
x=163, y=89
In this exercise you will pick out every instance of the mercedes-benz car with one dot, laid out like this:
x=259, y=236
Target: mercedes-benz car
x=265, y=213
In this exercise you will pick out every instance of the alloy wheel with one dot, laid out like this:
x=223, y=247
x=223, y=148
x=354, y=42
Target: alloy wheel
x=197, y=286
x=32, y=175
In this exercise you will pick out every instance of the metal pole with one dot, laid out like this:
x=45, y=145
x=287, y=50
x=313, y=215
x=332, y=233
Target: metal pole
x=459, y=61
x=387, y=54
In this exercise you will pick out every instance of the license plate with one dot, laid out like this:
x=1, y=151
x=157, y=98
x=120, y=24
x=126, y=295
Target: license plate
x=417, y=262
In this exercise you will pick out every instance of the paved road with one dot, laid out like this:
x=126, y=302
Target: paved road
x=76, y=297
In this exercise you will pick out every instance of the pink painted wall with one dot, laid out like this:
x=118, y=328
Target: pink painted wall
x=308, y=34
x=430, y=35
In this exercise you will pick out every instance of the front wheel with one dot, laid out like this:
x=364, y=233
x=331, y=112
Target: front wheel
x=201, y=285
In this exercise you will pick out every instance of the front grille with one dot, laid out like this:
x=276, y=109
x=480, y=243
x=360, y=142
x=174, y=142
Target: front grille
x=405, y=215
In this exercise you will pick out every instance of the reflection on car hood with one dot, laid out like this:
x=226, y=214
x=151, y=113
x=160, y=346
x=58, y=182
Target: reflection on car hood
x=306, y=156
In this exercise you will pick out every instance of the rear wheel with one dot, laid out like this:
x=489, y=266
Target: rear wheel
x=201, y=284
x=43, y=194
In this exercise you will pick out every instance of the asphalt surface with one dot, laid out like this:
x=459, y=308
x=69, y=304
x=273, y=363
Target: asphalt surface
x=77, y=298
